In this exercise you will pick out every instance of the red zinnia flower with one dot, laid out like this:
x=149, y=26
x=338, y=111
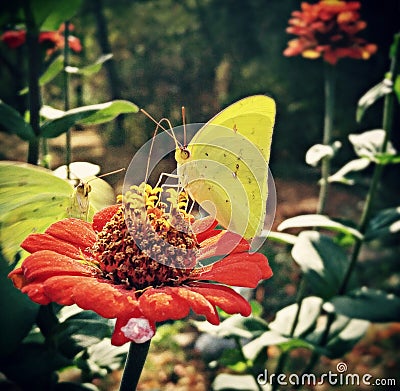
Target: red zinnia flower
x=53, y=39
x=328, y=29
x=14, y=39
x=148, y=273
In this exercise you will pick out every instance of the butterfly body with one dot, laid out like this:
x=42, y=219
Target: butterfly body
x=79, y=207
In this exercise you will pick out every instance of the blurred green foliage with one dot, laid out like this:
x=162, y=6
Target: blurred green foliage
x=205, y=54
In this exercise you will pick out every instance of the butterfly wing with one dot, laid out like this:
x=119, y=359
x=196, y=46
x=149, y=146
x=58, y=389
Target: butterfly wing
x=31, y=198
x=227, y=168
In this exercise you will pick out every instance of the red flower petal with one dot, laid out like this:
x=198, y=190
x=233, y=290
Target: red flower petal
x=75, y=231
x=118, y=338
x=223, y=297
x=17, y=277
x=105, y=299
x=36, y=242
x=59, y=288
x=159, y=304
x=14, y=39
x=45, y=264
x=101, y=218
x=198, y=303
x=75, y=44
x=35, y=293
x=223, y=243
x=204, y=228
x=239, y=269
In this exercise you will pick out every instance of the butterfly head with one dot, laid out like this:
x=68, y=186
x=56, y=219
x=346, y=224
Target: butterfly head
x=182, y=154
x=83, y=189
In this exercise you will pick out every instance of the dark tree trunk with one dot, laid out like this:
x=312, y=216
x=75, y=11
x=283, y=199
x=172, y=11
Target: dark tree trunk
x=118, y=135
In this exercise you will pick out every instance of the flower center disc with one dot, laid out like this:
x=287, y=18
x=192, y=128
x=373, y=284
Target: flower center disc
x=143, y=245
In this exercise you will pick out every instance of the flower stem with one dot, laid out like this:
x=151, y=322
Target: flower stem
x=329, y=90
x=243, y=357
x=67, y=98
x=285, y=355
x=32, y=40
x=133, y=366
x=387, y=125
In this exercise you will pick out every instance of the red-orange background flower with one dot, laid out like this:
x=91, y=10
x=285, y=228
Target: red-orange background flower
x=53, y=40
x=328, y=29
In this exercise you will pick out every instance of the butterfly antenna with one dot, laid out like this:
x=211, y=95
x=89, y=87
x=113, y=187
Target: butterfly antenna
x=184, y=125
x=169, y=130
x=110, y=173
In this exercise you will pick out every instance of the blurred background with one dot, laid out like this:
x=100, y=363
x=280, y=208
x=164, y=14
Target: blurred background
x=204, y=54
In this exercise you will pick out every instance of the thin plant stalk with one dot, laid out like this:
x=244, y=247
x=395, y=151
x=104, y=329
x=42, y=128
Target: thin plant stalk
x=134, y=365
x=32, y=40
x=285, y=355
x=68, y=149
x=243, y=357
x=387, y=125
x=329, y=91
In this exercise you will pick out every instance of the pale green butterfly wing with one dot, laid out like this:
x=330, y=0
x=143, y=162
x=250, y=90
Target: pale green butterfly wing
x=253, y=117
x=227, y=168
x=31, y=199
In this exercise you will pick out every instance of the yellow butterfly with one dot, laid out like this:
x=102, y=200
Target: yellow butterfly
x=224, y=168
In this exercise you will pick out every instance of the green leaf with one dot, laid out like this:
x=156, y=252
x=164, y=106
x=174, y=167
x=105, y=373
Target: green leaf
x=13, y=123
x=37, y=363
x=321, y=221
x=281, y=237
x=19, y=312
x=59, y=13
x=74, y=335
x=48, y=112
x=322, y=261
x=256, y=308
x=269, y=338
x=342, y=175
x=319, y=151
x=80, y=331
x=309, y=312
x=51, y=72
x=347, y=338
x=397, y=87
x=344, y=333
x=387, y=158
x=368, y=304
x=234, y=326
x=369, y=144
x=385, y=223
x=380, y=90
x=233, y=359
x=41, y=10
x=90, y=69
x=107, y=356
x=229, y=382
x=87, y=115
